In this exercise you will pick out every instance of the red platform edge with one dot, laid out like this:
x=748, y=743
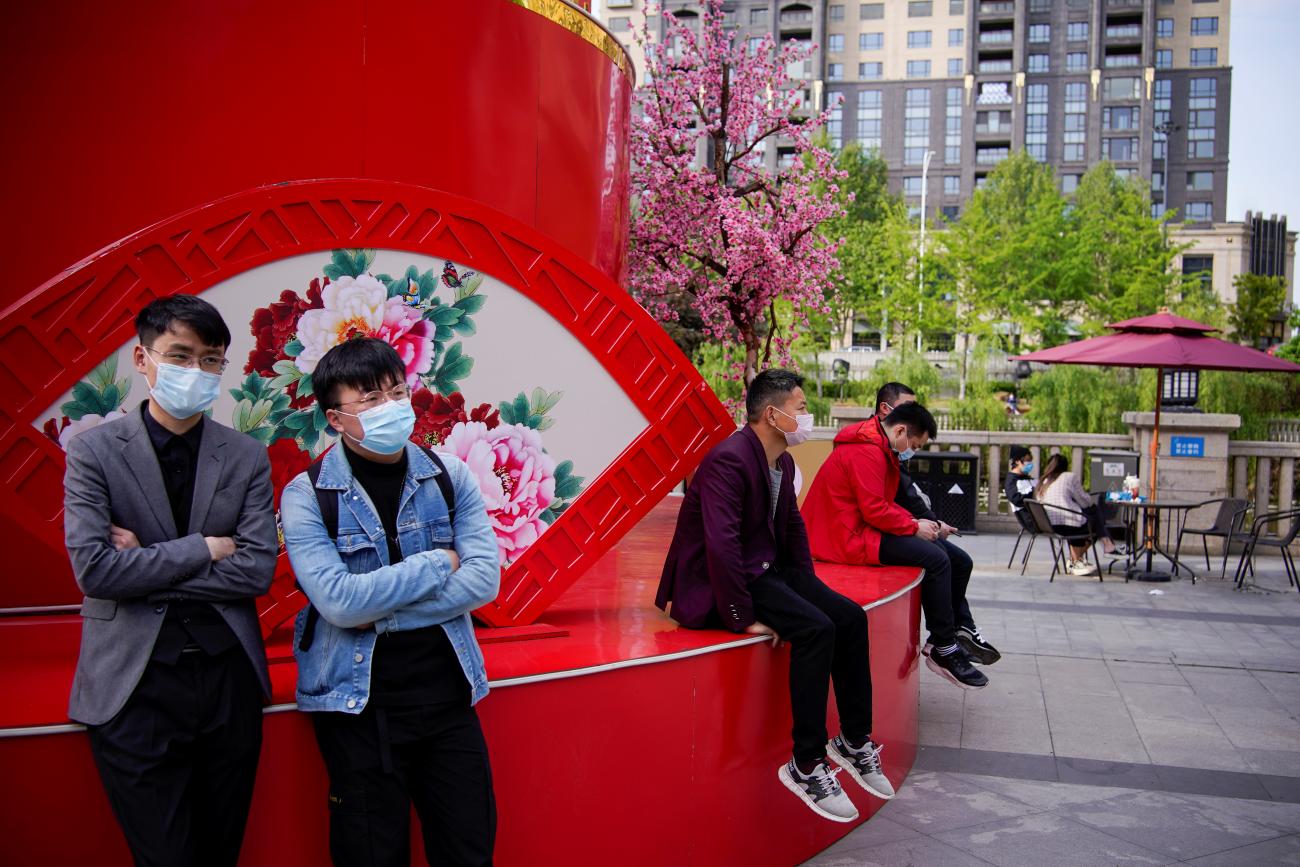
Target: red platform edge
x=55, y=335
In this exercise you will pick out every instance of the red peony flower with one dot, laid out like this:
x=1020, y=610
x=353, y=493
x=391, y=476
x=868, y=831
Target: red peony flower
x=54, y=427
x=275, y=325
x=287, y=461
x=436, y=415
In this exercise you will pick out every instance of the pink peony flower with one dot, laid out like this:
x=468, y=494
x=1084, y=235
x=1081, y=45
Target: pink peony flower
x=411, y=335
x=515, y=475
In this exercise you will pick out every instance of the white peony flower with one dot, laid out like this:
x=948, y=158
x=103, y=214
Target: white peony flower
x=85, y=423
x=353, y=306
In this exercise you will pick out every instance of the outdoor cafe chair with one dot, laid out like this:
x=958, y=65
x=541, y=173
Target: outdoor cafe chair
x=1289, y=525
x=1027, y=528
x=1043, y=524
x=1227, y=525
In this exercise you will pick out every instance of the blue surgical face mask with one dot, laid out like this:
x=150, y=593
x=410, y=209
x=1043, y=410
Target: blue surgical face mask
x=906, y=454
x=1028, y=468
x=385, y=428
x=183, y=391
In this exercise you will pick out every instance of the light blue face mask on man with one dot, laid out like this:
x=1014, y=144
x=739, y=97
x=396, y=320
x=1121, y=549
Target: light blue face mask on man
x=386, y=427
x=184, y=391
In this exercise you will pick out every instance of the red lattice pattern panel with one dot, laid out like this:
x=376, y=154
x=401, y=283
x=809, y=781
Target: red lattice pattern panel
x=56, y=334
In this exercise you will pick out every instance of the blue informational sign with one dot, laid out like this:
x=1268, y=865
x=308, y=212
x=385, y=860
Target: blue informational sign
x=1187, y=447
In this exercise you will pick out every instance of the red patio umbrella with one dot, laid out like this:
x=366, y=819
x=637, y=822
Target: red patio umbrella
x=1163, y=341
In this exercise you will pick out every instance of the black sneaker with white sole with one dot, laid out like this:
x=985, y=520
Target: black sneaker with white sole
x=979, y=650
x=955, y=667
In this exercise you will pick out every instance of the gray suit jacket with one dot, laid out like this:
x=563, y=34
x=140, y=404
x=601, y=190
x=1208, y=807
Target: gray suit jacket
x=113, y=477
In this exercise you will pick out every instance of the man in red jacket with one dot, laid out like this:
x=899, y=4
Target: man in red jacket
x=739, y=559
x=853, y=518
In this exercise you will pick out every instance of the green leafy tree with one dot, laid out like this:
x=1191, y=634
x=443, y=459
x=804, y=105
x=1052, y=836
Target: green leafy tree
x=1259, y=300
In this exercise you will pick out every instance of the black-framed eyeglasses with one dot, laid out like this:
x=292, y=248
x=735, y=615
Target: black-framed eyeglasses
x=208, y=363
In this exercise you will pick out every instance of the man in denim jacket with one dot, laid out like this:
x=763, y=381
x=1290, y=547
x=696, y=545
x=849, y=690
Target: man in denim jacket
x=392, y=669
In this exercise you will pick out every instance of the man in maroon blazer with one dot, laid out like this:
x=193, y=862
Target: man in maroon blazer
x=740, y=560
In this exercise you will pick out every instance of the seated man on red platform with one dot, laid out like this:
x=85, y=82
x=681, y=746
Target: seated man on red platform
x=739, y=559
x=853, y=518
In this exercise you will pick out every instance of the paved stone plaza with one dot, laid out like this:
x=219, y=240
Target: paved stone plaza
x=1118, y=728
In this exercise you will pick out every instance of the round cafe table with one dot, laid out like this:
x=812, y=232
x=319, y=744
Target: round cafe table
x=1151, y=511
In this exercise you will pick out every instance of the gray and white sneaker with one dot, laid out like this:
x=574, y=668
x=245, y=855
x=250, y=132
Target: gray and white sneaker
x=863, y=765
x=819, y=790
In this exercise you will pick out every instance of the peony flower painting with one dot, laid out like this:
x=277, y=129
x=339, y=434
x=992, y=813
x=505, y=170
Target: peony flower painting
x=425, y=316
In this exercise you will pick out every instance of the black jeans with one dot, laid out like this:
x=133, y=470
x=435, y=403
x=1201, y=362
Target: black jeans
x=827, y=633
x=384, y=759
x=179, y=760
x=943, y=587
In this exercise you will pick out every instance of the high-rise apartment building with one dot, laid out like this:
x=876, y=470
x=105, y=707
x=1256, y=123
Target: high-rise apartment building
x=1143, y=83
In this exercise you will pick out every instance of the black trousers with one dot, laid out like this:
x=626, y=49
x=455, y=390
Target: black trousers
x=827, y=633
x=384, y=759
x=943, y=587
x=179, y=760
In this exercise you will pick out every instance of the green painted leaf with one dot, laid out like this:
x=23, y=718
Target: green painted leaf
x=446, y=315
x=563, y=470
x=569, y=488
x=305, y=386
x=546, y=423
x=264, y=435
x=284, y=381
x=471, y=303
x=293, y=348
x=103, y=374
x=469, y=286
x=297, y=421
x=318, y=420
x=110, y=397
x=521, y=408
x=548, y=515
x=465, y=327
x=284, y=367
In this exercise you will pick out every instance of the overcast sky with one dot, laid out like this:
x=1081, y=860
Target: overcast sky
x=1264, y=158
x=1264, y=169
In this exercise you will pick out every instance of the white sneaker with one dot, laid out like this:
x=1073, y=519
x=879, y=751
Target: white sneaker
x=863, y=765
x=1082, y=568
x=819, y=790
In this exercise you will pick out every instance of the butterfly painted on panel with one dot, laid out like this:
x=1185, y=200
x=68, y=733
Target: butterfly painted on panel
x=451, y=279
x=412, y=294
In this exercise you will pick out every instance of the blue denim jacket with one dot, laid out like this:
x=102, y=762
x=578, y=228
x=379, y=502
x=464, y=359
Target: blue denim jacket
x=359, y=594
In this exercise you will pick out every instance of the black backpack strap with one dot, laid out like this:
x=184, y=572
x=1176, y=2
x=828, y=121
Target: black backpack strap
x=328, y=500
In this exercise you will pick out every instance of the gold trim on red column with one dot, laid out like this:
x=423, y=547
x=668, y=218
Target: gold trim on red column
x=580, y=23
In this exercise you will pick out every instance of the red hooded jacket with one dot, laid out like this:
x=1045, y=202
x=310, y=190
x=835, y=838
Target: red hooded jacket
x=851, y=501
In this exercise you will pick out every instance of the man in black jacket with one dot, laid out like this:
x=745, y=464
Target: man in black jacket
x=1019, y=485
x=910, y=497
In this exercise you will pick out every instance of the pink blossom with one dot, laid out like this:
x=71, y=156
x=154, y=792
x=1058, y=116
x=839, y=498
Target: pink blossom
x=411, y=335
x=515, y=475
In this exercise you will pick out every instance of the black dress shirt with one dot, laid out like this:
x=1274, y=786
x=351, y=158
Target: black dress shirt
x=189, y=625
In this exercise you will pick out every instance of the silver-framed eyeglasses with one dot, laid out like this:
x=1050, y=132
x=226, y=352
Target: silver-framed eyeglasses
x=207, y=363
x=372, y=399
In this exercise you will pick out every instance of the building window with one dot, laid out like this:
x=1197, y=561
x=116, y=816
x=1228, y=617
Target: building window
x=956, y=36
x=1076, y=31
x=918, y=39
x=986, y=155
x=918, y=69
x=754, y=44
x=1122, y=88
x=1075, y=136
x=954, y=67
x=1040, y=5
x=1161, y=105
x=916, y=126
x=871, y=11
x=952, y=185
x=1200, y=181
x=1164, y=28
x=993, y=122
x=1119, y=150
x=870, y=41
x=952, y=126
x=1070, y=183
x=950, y=213
x=835, y=72
x=871, y=71
x=869, y=114
x=620, y=24
x=835, y=118
x=1199, y=266
x=1157, y=182
x=1205, y=26
x=837, y=12
x=1164, y=58
x=956, y=7
x=1036, y=121
x=1038, y=63
x=912, y=186
x=1076, y=61
x=835, y=43
x=1040, y=32
x=1200, y=118
x=920, y=9
x=1119, y=118
x=757, y=17
x=1205, y=56
x=1202, y=212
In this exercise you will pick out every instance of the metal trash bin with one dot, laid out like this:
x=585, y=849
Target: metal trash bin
x=1108, y=467
x=951, y=480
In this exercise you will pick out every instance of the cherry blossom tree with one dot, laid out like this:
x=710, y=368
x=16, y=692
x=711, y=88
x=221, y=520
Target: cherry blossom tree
x=713, y=228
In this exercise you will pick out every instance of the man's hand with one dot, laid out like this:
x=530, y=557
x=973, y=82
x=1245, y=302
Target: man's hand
x=927, y=530
x=946, y=530
x=453, y=558
x=220, y=547
x=757, y=628
x=122, y=539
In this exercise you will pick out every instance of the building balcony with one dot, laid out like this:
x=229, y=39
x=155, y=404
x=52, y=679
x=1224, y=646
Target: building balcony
x=994, y=66
x=997, y=9
x=1123, y=61
x=997, y=37
x=1124, y=33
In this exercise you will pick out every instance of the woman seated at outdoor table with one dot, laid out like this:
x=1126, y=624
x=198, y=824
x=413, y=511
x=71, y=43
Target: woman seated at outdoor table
x=1070, y=509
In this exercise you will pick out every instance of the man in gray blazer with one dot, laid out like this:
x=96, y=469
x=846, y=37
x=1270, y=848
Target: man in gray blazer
x=171, y=531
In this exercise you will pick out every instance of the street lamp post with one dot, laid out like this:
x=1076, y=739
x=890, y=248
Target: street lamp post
x=1165, y=129
x=920, y=261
